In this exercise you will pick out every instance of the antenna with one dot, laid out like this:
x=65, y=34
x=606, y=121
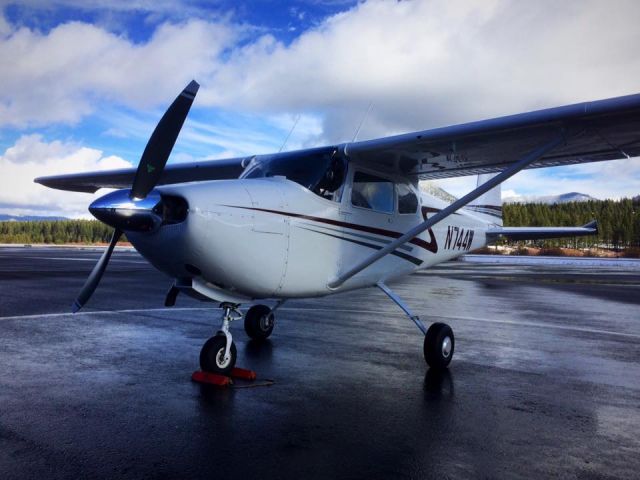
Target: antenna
x=290, y=132
x=364, y=117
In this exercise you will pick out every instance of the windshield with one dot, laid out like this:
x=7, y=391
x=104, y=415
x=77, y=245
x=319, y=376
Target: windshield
x=320, y=170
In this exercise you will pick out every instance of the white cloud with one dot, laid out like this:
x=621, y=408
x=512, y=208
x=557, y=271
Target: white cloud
x=426, y=64
x=422, y=64
x=614, y=179
x=32, y=157
x=63, y=75
x=5, y=28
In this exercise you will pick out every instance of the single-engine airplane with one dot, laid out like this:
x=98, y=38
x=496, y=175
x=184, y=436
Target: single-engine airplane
x=319, y=221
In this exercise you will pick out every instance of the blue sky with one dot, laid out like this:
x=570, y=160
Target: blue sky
x=84, y=83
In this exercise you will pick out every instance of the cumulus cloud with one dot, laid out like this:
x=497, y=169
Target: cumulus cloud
x=615, y=179
x=5, y=28
x=31, y=156
x=63, y=75
x=422, y=64
x=426, y=64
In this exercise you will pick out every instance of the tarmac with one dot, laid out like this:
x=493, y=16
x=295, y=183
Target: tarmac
x=545, y=379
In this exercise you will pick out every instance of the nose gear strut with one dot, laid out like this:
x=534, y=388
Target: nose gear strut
x=218, y=354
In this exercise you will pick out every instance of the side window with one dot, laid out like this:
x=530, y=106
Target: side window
x=407, y=199
x=369, y=191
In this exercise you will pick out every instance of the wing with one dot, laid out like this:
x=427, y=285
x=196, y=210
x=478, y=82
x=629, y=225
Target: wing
x=536, y=233
x=593, y=131
x=187, y=172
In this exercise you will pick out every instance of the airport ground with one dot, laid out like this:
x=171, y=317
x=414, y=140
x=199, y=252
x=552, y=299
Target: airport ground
x=545, y=381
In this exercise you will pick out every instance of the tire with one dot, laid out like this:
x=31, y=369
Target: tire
x=259, y=322
x=439, y=344
x=212, y=354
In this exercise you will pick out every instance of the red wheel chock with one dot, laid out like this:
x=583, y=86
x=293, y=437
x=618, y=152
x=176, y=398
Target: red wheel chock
x=243, y=374
x=222, y=380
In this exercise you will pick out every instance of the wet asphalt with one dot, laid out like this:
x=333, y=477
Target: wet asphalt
x=545, y=380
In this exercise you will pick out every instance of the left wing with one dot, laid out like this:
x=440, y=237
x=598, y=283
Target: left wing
x=536, y=233
x=179, y=173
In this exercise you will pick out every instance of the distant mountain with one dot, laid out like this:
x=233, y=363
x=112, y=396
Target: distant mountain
x=27, y=218
x=550, y=199
x=432, y=189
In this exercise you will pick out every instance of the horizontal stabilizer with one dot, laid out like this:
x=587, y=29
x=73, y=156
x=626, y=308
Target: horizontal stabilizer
x=538, y=233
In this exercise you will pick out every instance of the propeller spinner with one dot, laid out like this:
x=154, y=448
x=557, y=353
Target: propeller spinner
x=137, y=209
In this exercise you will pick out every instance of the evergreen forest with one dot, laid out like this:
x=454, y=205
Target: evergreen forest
x=618, y=223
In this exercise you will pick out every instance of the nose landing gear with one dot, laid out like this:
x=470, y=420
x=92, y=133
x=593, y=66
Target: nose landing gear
x=218, y=354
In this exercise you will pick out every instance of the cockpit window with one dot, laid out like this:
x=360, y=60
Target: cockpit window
x=407, y=199
x=370, y=191
x=322, y=170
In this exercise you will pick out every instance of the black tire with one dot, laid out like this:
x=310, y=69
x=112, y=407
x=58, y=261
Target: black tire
x=259, y=322
x=212, y=354
x=439, y=344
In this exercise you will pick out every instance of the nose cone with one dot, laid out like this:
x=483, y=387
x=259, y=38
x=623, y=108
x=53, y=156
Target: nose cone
x=119, y=210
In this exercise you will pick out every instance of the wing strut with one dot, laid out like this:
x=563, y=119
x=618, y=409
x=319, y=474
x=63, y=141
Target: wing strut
x=469, y=197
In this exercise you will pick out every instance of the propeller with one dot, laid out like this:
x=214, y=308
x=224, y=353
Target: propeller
x=152, y=163
x=161, y=142
x=96, y=274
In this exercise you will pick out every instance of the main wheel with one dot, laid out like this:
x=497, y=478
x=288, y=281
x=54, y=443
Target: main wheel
x=438, y=345
x=212, y=356
x=259, y=322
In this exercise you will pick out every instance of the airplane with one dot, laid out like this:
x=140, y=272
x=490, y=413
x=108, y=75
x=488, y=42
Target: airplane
x=319, y=221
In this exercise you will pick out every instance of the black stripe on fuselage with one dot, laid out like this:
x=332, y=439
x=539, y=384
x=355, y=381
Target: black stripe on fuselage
x=405, y=247
x=431, y=245
x=404, y=256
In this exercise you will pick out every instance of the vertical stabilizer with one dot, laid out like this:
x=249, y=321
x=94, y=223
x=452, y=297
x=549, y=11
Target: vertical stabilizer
x=489, y=205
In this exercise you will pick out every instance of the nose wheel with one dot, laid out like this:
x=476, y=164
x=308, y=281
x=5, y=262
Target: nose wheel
x=213, y=357
x=218, y=354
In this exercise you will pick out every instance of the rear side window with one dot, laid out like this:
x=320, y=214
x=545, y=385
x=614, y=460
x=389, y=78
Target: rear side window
x=372, y=192
x=407, y=199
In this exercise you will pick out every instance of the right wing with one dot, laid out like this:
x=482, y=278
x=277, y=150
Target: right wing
x=592, y=131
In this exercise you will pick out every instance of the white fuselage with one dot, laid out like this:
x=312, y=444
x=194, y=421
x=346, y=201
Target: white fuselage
x=256, y=238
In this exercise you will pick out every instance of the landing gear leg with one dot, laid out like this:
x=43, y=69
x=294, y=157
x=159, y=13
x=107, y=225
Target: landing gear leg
x=439, y=341
x=218, y=354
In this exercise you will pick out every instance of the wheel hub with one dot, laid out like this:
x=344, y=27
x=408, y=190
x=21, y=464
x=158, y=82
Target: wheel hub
x=446, y=347
x=266, y=321
x=222, y=361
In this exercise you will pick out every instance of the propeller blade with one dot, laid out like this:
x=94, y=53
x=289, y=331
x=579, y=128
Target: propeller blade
x=96, y=274
x=172, y=294
x=162, y=140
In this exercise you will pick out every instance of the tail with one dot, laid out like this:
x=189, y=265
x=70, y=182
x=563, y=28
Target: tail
x=488, y=206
